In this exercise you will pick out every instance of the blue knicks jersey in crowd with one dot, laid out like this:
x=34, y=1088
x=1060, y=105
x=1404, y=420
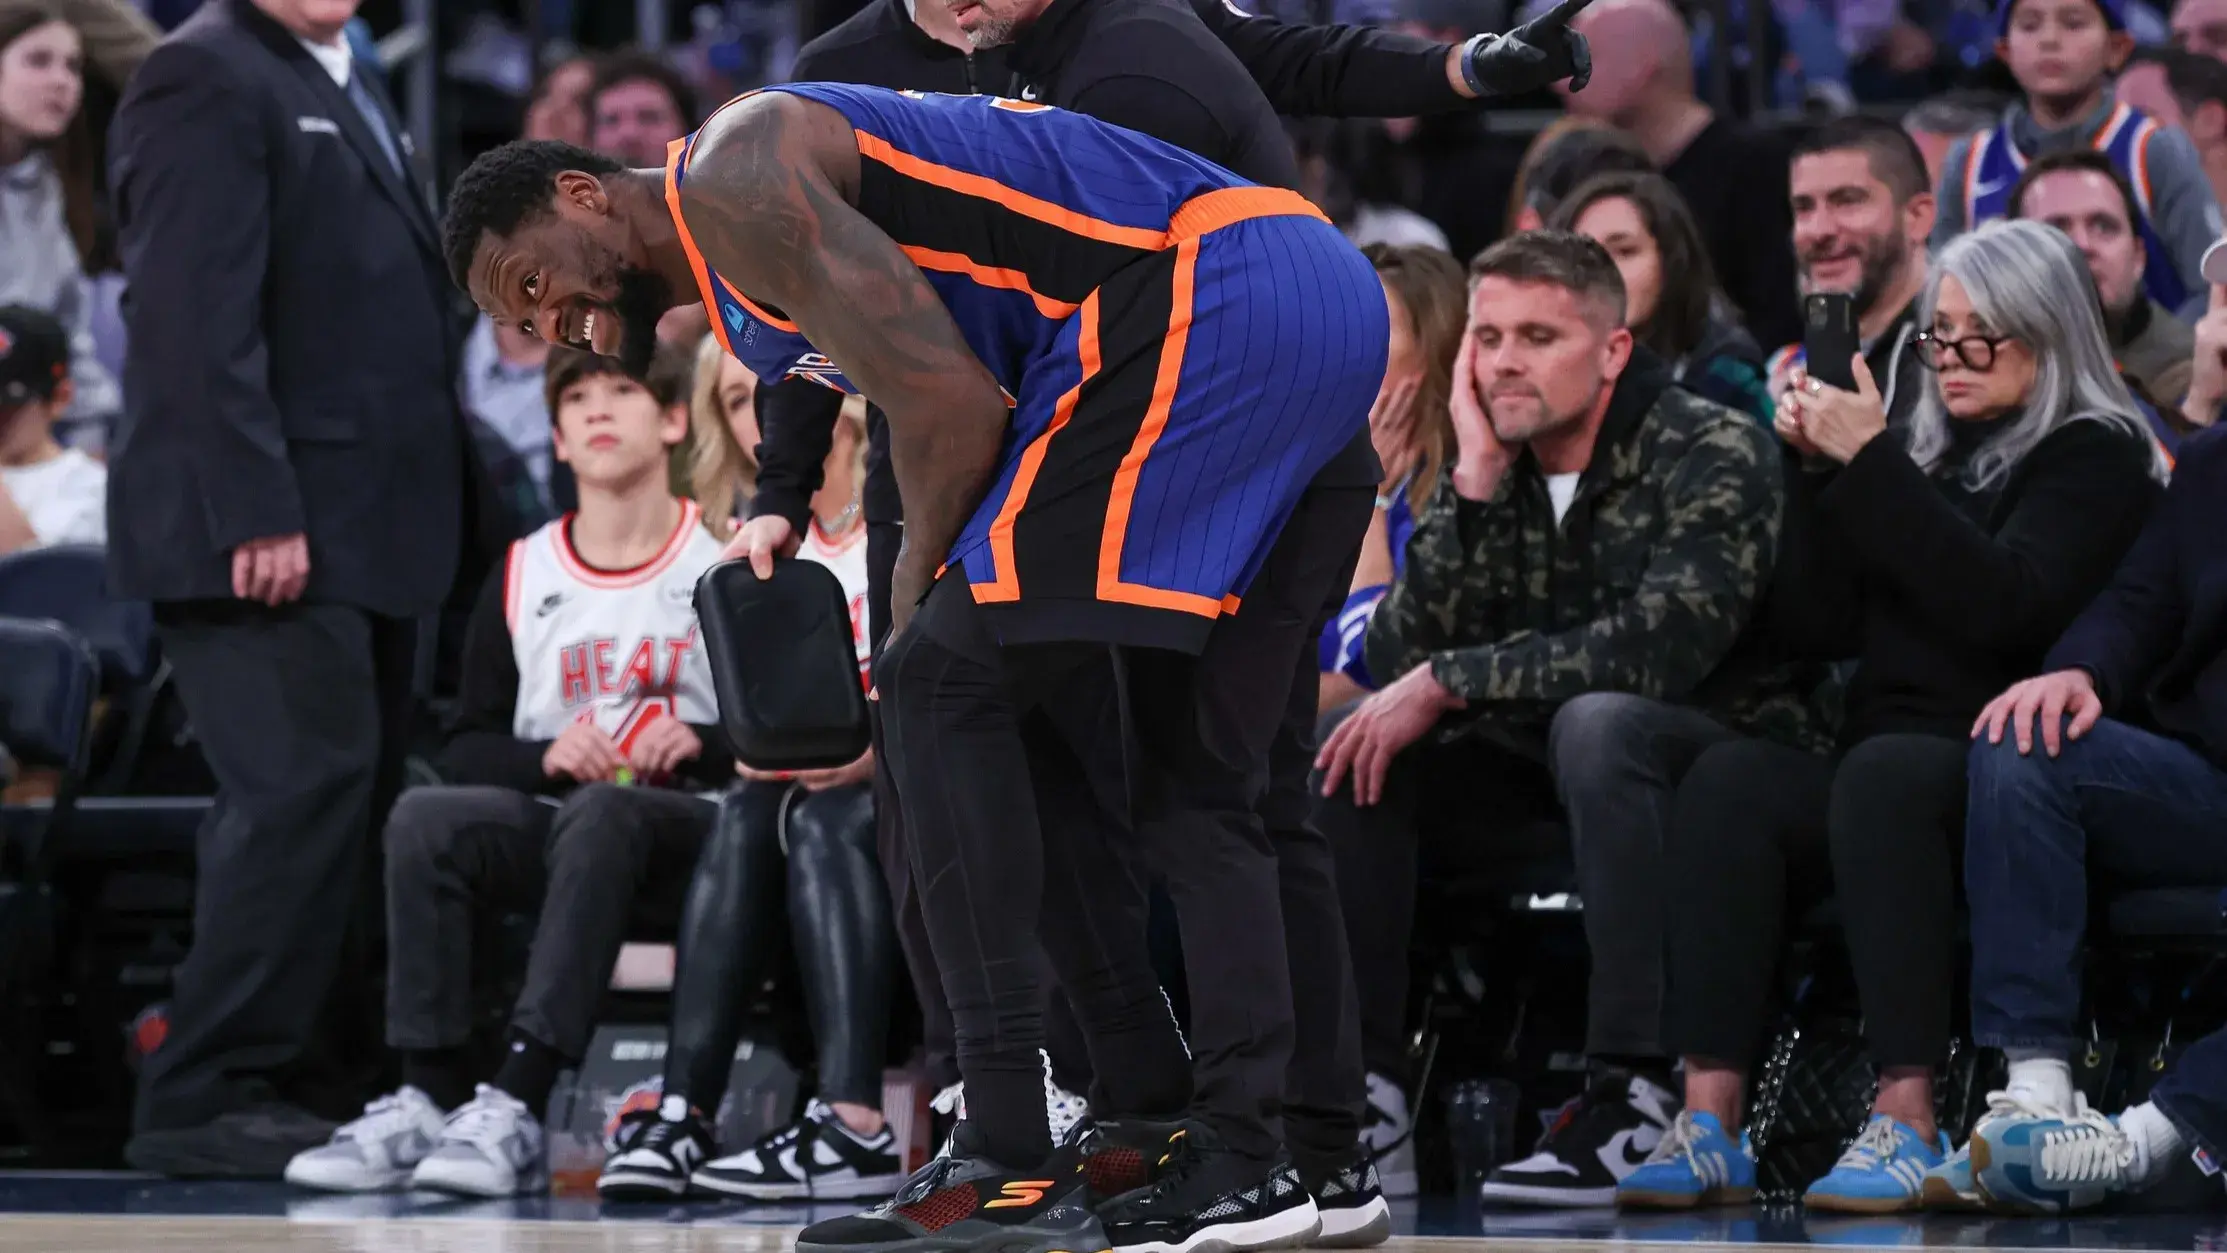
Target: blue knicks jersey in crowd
x=1994, y=163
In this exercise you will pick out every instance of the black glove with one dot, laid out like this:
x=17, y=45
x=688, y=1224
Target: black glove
x=1537, y=54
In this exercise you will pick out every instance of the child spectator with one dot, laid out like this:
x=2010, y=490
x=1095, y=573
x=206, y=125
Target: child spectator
x=2063, y=54
x=48, y=494
x=587, y=724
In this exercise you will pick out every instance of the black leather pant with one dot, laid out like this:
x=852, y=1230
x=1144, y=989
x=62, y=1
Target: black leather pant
x=777, y=848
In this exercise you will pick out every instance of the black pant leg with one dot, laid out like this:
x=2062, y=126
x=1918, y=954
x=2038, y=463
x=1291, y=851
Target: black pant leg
x=1896, y=825
x=288, y=706
x=844, y=940
x=615, y=854
x=453, y=855
x=1747, y=846
x=728, y=933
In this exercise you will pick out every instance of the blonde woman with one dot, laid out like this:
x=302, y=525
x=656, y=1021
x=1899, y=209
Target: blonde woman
x=721, y=467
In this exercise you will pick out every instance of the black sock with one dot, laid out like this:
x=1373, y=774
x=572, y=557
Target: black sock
x=1005, y=1112
x=442, y=1074
x=529, y=1071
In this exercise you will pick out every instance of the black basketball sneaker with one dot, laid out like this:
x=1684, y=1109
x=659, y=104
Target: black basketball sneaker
x=1209, y=1198
x=656, y=1152
x=965, y=1201
x=1354, y=1213
x=1122, y=1156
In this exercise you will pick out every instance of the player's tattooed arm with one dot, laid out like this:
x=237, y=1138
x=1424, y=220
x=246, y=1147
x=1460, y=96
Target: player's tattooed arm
x=765, y=199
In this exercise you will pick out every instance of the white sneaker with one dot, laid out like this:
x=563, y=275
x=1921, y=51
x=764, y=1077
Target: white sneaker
x=1389, y=1135
x=376, y=1152
x=492, y=1147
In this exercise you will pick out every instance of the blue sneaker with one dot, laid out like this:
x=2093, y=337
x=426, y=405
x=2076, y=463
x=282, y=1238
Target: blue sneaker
x=1883, y=1172
x=1696, y=1164
x=1949, y=1187
x=2037, y=1161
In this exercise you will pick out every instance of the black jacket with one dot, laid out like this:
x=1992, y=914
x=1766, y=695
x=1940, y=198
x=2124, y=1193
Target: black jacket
x=294, y=336
x=1174, y=69
x=1946, y=596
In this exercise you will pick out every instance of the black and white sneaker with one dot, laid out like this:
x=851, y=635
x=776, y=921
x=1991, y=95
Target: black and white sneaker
x=1389, y=1134
x=1208, y=1198
x=1602, y=1137
x=1351, y=1201
x=963, y=1202
x=657, y=1150
x=814, y=1158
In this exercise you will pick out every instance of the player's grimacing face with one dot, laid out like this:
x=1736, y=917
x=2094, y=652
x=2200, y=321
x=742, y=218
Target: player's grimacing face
x=1543, y=355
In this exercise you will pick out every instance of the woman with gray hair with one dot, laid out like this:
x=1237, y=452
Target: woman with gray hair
x=1944, y=560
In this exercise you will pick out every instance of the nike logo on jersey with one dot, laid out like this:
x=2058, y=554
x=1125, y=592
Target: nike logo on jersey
x=1028, y=92
x=1989, y=188
x=548, y=604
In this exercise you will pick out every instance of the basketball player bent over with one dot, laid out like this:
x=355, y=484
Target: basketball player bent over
x=1109, y=368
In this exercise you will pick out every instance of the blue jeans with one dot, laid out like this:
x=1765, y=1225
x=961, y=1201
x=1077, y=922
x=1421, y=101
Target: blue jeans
x=2131, y=809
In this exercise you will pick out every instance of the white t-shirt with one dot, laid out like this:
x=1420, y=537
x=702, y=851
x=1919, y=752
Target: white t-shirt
x=1562, y=488
x=65, y=499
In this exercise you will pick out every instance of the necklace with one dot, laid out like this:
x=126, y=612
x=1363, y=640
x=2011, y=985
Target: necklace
x=843, y=519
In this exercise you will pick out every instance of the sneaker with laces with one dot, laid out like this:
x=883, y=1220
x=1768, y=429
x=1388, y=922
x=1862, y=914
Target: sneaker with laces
x=1609, y=1133
x=1696, y=1164
x=814, y=1158
x=1389, y=1134
x=1882, y=1172
x=965, y=1201
x=376, y=1152
x=1351, y=1202
x=1209, y=1198
x=1949, y=1187
x=2029, y=1160
x=657, y=1150
x=491, y=1147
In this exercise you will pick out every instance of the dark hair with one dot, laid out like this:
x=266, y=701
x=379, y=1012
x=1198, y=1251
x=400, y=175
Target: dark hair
x=2084, y=160
x=667, y=380
x=1554, y=168
x=1689, y=293
x=505, y=188
x=1894, y=156
x=1954, y=113
x=545, y=81
x=632, y=65
x=75, y=154
x=2193, y=78
x=1429, y=283
x=1563, y=258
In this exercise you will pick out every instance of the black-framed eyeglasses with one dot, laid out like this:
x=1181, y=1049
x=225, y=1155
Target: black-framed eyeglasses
x=1977, y=352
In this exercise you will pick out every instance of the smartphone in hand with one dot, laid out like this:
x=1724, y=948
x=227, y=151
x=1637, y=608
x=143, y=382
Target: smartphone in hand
x=1830, y=339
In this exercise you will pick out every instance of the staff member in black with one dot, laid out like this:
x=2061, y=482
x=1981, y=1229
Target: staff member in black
x=287, y=487
x=1179, y=72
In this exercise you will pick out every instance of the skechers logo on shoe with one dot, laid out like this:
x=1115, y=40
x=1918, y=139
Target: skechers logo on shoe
x=1020, y=1192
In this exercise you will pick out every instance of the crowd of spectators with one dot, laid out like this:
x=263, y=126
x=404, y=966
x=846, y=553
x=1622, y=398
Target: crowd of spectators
x=1643, y=591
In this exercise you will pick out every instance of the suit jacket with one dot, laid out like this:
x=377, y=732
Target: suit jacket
x=294, y=337
x=2156, y=639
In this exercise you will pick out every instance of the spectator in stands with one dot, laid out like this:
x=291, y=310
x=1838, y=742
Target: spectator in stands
x=2082, y=193
x=2200, y=26
x=502, y=386
x=803, y=845
x=1413, y=436
x=118, y=35
x=47, y=209
x=2063, y=54
x=586, y=720
x=1936, y=124
x=1861, y=215
x=2198, y=86
x=637, y=105
x=1566, y=152
x=723, y=437
x=557, y=107
x=1944, y=558
x=2107, y=767
x=288, y=485
x=48, y=494
x=1672, y=302
x=1647, y=518
x=1729, y=176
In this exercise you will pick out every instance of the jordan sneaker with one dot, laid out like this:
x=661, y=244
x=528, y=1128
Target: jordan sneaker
x=814, y=1158
x=1389, y=1134
x=1883, y=1172
x=657, y=1150
x=1610, y=1131
x=1351, y=1203
x=1696, y=1164
x=2036, y=1161
x=1209, y=1198
x=963, y=1201
x=491, y=1147
x=375, y=1153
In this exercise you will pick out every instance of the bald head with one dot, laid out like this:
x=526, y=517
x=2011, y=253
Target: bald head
x=1653, y=61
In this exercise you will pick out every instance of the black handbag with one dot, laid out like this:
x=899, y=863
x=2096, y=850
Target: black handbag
x=784, y=665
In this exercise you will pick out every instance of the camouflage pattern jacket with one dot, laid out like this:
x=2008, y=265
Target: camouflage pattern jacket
x=1646, y=586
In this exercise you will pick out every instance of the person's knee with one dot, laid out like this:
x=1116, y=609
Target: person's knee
x=1590, y=734
x=826, y=828
x=421, y=832
x=597, y=829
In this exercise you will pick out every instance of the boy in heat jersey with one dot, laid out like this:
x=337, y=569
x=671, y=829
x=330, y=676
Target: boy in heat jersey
x=1109, y=368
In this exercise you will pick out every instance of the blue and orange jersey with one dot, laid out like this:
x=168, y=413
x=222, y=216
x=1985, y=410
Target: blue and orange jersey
x=1014, y=212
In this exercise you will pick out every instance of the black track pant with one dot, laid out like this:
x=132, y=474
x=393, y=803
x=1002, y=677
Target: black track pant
x=1007, y=832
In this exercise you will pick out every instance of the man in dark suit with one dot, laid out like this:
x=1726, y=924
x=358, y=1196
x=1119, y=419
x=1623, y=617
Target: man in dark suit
x=288, y=488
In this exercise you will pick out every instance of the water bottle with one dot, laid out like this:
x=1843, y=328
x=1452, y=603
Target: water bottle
x=1481, y=1128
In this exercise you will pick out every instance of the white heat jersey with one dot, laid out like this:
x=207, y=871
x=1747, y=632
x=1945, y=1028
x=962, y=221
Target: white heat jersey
x=619, y=648
x=847, y=558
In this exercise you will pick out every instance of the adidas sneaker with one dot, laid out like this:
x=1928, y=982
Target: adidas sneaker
x=814, y=1158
